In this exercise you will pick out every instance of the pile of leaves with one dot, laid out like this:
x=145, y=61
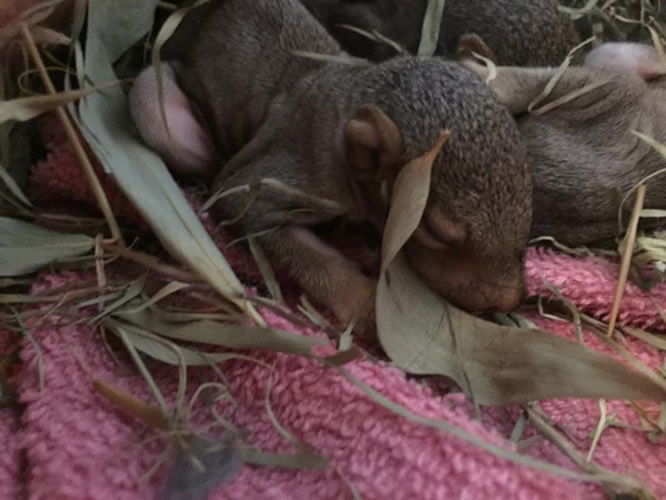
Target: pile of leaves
x=182, y=303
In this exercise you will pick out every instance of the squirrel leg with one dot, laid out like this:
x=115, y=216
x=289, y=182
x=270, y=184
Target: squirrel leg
x=323, y=273
x=518, y=88
x=514, y=87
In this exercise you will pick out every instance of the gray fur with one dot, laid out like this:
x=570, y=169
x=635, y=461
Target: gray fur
x=520, y=32
x=583, y=154
x=234, y=60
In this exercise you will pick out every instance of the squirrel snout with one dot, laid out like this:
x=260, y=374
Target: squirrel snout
x=467, y=283
x=480, y=298
x=509, y=300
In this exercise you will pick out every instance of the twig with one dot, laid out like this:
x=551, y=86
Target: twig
x=150, y=261
x=601, y=427
x=618, y=484
x=147, y=414
x=627, y=252
x=66, y=121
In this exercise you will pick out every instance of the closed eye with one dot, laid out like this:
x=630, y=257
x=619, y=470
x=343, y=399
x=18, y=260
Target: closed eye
x=428, y=239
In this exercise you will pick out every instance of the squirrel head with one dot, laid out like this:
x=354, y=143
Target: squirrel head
x=470, y=244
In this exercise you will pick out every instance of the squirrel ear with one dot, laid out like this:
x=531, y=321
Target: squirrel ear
x=374, y=141
x=471, y=42
x=649, y=72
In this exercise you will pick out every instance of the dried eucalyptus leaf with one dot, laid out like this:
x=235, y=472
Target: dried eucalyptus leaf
x=32, y=15
x=577, y=13
x=25, y=248
x=557, y=75
x=408, y=201
x=166, y=31
x=226, y=335
x=165, y=291
x=303, y=460
x=47, y=36
x=657, y=146
x=432, y=24
x=162, y=349
x=27, y=108
x=139, y=172
x=657, y=341
x=143, y=369
x=494, y=365
x=132, y=291
x=266, y=271
x=653, y=213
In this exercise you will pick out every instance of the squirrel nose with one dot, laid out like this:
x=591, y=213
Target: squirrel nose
x=510, y=300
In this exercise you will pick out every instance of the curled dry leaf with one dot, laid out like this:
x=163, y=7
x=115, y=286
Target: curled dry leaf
x=25, y=248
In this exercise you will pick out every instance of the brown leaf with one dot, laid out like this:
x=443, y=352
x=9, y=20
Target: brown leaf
x=129, y=404
x=494, y=365
x=408, y=201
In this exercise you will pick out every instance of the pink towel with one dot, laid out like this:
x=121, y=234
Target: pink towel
x=11, y=457
x=77, y=445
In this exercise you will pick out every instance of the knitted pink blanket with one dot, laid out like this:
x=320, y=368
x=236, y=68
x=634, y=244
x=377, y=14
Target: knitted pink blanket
x=71, y=443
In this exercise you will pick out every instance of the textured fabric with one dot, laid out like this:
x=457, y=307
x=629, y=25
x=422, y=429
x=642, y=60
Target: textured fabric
x=10, y=458
x=77, y=445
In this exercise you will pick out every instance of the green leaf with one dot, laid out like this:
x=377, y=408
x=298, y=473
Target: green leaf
x=162, y=349
x=221, y=334
x=25, y=248
x=112, y=28
x=27, y=108
x=432, y=24
x=133, y=290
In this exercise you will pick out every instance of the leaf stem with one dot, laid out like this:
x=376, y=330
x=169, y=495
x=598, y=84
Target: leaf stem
x=73, y=137
x=627, y=253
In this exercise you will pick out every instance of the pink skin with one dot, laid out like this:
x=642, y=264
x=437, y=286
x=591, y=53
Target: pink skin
x=190, y=151
x=627, y=57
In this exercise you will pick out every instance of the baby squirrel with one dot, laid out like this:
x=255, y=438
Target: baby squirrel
x=583, y=154
x=331, y=132
x=519, y=32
